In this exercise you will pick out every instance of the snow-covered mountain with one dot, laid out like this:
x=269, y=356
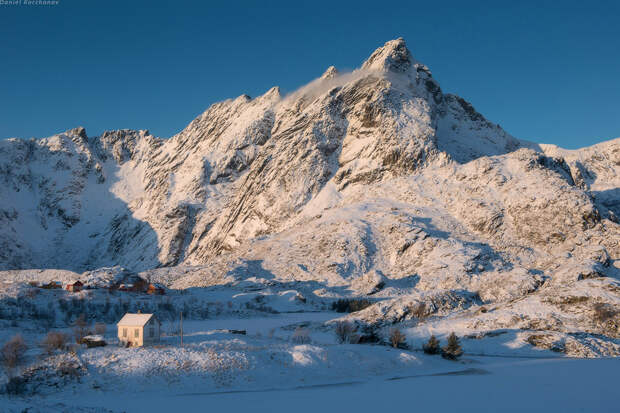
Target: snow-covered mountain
x=363, y=179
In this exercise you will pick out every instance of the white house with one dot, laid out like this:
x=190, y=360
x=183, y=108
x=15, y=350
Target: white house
x=139, y=329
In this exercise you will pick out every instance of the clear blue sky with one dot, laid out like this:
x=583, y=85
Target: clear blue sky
x=546, y=71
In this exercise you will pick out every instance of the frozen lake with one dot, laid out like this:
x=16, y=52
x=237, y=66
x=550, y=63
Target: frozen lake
x=485, y=385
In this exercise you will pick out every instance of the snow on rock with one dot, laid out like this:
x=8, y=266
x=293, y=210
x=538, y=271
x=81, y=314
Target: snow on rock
x=373, y=182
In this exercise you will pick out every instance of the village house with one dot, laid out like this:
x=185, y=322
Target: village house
x=75, y=287
x=137, y=330
x=156, y=289
x=52, y=285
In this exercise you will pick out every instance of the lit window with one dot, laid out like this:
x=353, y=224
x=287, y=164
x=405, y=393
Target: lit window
x=124, y=332
x=137, y=333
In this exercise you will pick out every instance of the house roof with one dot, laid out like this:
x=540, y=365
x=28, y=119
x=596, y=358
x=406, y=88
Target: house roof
x=139, y=319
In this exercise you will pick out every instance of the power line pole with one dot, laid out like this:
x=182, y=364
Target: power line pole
x=181, y=328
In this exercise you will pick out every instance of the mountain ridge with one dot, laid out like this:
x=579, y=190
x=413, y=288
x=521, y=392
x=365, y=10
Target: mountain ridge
x=372, y=183
x=385, y=119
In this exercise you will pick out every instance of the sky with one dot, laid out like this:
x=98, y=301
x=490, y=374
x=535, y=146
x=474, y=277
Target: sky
x=545, y=71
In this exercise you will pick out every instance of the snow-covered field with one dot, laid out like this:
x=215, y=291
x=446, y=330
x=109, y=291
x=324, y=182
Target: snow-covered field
x=265, y=370
x=481, y=386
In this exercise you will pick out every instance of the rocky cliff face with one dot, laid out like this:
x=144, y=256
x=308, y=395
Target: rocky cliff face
x=373, y=174
x=250, y=168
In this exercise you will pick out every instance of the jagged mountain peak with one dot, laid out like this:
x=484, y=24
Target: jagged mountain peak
x=250, y=168
x=393, y=56
x=80, y=132
x=330, y=73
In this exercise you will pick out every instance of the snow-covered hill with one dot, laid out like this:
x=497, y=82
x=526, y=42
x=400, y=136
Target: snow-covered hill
x=374, y=181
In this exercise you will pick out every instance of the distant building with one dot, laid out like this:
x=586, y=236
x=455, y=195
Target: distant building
x=137, y=330
x=52, y=285
x=125, y=287
x=75, y=287
x=156, y=289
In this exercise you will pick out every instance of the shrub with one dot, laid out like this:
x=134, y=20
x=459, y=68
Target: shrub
x=12, y=352
x=397, y=338
x=100, y=328
x=453, y=349
x=55, y=340
x=345, y=333
x=350, y=305
x=301, y=336
x=369, y=335
x=68, y=368
x=418, y=311
x=432, y=346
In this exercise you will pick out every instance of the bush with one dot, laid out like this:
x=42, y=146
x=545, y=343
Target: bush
x=432, y=346
x=301, y=336
x=55, y=340
x=453, y=349
x=345, y=333
x=397, y=338
x=67, y=368
x=369, y=335
x=12, y=352
x=418, y=311
x=350, y=305
x=100, y=329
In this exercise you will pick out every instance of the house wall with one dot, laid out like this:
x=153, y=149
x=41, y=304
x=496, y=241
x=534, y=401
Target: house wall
x=152, y=324
x=131, y=335
x=143, y=333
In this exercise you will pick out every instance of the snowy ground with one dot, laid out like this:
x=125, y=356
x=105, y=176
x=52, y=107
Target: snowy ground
x=476, y=385
x=265, y=371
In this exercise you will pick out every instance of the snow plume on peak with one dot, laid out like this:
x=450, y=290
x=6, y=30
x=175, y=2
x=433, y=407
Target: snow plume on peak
x=331, y=79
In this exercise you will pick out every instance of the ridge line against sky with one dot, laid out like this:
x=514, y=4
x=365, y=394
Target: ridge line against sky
x=545, y=72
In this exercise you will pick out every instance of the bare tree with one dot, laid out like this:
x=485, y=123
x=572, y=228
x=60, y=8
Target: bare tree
x=397, y=338
x=12, y=352
x=80, y=328
x=55, y=340
x=418, y=311
x=345, y=333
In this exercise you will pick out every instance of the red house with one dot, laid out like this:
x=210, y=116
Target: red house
x=156, y=289
x=75, y=287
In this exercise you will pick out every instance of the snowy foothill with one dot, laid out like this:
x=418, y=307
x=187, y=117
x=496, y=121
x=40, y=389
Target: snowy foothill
x=266, y=370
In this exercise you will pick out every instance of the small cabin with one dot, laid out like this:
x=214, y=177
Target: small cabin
x=156, y=289
x=52, y=285
x=137, y=330
x=125, y=287
x=75, y=287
